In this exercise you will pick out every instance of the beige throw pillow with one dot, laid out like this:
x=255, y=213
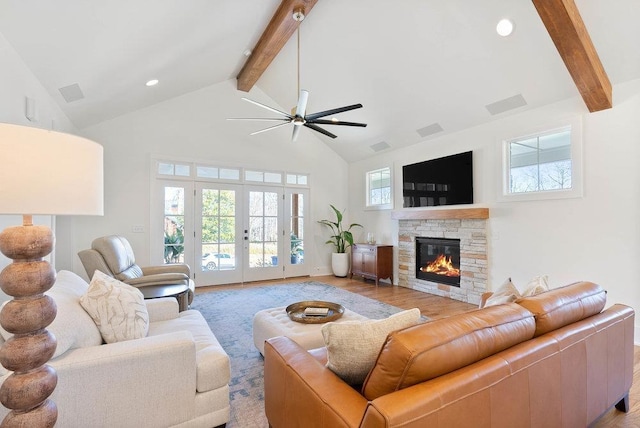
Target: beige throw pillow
x=353, y=346
x=506, y=293
x=117, y=308
x=536, y=286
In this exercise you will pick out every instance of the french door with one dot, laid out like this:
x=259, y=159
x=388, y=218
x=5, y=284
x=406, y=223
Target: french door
x=218, y=233
x=230, y=233
x=263, y=235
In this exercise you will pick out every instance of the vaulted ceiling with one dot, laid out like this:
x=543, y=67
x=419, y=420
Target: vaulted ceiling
x=421, y=68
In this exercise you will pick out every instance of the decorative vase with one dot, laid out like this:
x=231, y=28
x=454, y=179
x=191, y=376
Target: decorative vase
x=340, y=264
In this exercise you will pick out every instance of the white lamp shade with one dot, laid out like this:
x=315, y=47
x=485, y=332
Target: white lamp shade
x=48, y=172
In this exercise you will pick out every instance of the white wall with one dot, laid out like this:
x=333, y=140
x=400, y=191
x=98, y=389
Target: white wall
x=16, y=83
x=194, y=126
x=594, y=238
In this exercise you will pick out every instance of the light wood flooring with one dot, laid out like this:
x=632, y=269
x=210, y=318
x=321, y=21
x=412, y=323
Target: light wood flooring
x=439, y=307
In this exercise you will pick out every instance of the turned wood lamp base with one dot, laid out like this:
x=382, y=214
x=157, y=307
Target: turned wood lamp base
x=27, y=315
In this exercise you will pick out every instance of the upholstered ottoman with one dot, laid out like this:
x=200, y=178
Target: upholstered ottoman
x=275, y=322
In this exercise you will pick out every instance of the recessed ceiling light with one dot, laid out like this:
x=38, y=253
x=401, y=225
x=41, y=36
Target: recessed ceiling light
x=504, y=27
x=152, y=82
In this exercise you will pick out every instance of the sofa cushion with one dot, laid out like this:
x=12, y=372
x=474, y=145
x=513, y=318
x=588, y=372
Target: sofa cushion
x=417, y=354
x=72, y=327
x=212, y=362
x=565, y=305
x=117, y=308
x=352, y=346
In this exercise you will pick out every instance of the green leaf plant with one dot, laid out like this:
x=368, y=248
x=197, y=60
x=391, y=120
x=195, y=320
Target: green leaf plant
x=341, y=238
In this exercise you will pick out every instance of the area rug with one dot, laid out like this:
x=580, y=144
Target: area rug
x=230, y=316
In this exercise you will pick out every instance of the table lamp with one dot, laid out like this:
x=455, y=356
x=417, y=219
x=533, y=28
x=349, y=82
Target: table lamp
x=49, y=173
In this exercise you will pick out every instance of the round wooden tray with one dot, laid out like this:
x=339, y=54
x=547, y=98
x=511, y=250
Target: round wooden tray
x=296, y=311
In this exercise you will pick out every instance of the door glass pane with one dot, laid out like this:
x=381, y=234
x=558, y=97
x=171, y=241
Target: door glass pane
x=256, y=204
x=173, y=225
x=218, y=230
x=263, y=229
x=271, y=204
x=297, y=229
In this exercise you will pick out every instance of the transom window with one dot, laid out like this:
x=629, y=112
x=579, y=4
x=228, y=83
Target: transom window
x=202, y=172
x=379, y=188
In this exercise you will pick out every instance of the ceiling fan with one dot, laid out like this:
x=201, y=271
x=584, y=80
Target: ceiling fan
x=299, y=117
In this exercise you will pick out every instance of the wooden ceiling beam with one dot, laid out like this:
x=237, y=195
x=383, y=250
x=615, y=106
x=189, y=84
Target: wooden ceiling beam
x=569, y=34
x=275, y=36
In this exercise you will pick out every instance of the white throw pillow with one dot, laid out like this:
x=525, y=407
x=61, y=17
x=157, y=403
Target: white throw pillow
x=536, y=286
x=353, y=346
x=117, y=308
x=506, y=293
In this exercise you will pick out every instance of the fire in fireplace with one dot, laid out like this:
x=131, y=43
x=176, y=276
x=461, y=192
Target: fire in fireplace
x=438, y=260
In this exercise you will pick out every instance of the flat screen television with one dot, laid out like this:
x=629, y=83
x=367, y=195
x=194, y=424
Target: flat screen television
x=442, y=181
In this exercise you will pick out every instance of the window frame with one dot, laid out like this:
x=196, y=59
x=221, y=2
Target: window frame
x=368, y=204
x=574, y=125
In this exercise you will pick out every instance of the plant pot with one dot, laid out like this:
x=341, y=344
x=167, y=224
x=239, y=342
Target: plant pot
x=340, y=264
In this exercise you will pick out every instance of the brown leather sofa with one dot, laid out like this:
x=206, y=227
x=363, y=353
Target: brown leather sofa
x=556, y=359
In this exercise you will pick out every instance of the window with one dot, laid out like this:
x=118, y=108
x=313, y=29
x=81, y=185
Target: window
x=379, y=188
x=545, y=165
x=180, y=170
x=299, y=179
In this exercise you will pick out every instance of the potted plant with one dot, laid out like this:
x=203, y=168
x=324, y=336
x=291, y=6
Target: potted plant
x=296, y=249
x=341, y=239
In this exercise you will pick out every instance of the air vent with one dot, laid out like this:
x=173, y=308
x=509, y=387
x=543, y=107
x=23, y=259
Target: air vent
x=378, y=147
x=434, y=128
x=71, y=93
x=506, y=104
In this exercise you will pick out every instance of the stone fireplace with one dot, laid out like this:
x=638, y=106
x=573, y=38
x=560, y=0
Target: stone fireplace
x=444, y=228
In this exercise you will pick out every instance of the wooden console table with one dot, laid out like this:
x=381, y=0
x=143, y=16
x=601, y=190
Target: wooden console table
x=372, y=261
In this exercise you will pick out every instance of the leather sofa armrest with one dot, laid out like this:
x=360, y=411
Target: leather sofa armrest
x=298, y=388
x=168, y=268
x=162, y=309
x=159, y=279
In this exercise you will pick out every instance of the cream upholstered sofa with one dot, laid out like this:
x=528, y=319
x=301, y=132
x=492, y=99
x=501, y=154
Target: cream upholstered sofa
x=176, y=376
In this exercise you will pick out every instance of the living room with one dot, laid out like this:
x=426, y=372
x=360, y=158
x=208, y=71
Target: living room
x=592, y=237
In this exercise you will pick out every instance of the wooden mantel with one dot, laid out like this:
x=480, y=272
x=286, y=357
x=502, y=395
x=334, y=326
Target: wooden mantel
x=435, y=214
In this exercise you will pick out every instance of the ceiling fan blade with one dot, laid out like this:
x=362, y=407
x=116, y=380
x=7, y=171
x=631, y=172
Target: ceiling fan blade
x=269, y=128
x=296, y=131
x=320, y=114
x=336, y=122
x=267, y=107
x=301, y=108
x=264, y=119
x=320, y=130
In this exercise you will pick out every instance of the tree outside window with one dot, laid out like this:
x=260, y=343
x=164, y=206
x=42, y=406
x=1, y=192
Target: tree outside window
x=540, y=163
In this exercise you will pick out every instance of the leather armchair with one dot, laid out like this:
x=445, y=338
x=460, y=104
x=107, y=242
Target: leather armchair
x=113, y=256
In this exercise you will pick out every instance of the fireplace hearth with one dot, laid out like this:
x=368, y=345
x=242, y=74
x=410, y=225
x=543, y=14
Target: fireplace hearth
x=438, y=260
